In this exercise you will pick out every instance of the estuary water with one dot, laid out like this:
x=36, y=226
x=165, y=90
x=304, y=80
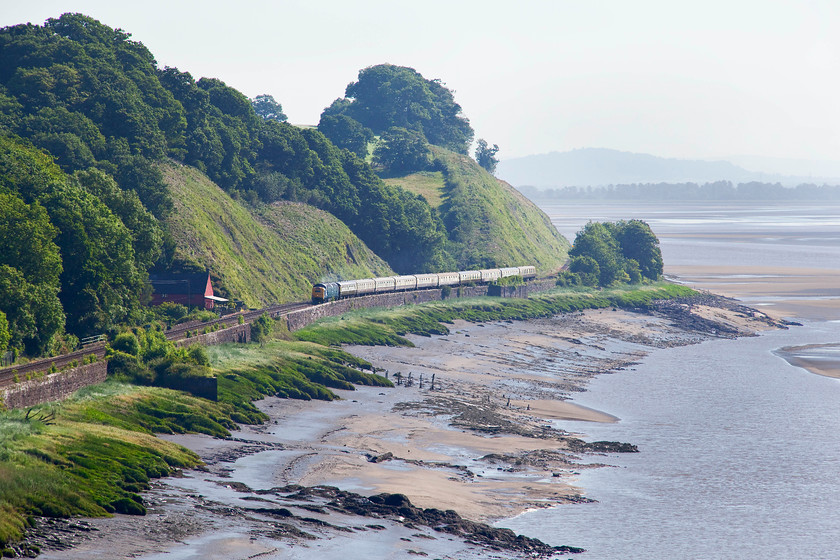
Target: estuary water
x=739, y=450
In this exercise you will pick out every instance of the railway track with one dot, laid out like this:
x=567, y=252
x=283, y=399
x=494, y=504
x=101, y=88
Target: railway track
x=177, y=332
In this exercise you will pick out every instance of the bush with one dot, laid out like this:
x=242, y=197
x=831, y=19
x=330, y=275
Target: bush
x=261, y=328
x=126, y=342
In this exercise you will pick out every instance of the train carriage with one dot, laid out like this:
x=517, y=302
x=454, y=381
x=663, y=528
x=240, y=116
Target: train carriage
x=469, y=276
x=490, y=274
x=365, y=286
x=527, y=272
x=405, y=283
x=448, y=279
x=383, y=284
x=426, y=281
x=348, y=288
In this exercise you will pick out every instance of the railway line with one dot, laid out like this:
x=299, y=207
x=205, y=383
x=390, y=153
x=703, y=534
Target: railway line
x=177, y=332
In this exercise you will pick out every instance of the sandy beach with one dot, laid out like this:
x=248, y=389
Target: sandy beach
x=484, y=442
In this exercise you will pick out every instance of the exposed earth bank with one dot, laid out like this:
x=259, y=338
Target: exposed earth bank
x=475, y=426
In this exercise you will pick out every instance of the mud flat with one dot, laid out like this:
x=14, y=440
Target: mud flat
x=382, y=472
x=822, y=359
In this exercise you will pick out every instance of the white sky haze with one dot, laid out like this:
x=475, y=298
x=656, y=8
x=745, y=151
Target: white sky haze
x=673, y=79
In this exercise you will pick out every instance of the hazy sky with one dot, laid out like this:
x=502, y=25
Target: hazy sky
x=670, y=78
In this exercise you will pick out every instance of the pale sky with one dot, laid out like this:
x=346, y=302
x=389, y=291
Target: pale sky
x=670, y=78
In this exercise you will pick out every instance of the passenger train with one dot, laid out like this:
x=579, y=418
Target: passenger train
x=329, y=291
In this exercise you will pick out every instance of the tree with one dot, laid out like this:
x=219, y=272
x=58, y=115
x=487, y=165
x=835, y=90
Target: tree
x=624, y=251
x=387, y=96
x=402, y=151
x=586, y=268
x=638, y=242
x=269, y=109
x=145, y=230
x=486, y=156
x=26, y=236
x=100, y=283
x=347, y=133
x=5, y=334
x=595, y=240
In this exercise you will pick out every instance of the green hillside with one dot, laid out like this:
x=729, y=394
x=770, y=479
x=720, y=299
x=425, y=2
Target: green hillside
x=428, y=184
x=273, y=254
x=488, y=222
x=105, y=158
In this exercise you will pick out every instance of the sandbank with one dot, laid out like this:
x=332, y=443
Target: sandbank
x=822, y=359
x=791, y=292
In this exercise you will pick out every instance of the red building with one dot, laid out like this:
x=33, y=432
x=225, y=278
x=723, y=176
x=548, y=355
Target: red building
x=192, y=290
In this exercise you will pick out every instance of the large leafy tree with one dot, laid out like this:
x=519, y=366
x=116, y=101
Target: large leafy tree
x=269, y=109
x=639, y=243
x=347, y=133
x=30, y=267
x=100, y=283
x=387, y=96
x=402, y=151
x=595, y=240
x=624, y=251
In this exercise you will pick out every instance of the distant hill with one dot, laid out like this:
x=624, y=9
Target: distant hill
x=598, y=167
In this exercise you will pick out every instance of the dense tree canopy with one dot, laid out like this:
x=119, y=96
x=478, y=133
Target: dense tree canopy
x=95, y=100
x=614, y=252
x=387, y=96
x=347, y=133
x=100, y=281
x=402, y=151
x=30, y=268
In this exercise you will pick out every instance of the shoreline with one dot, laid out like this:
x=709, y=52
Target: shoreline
x=821, y=359
x=461, y=447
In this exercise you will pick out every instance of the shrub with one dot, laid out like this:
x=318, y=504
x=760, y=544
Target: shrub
x=261, y=328
x=126, y=342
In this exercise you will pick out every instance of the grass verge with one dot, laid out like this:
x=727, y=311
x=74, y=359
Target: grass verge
x=389, y=327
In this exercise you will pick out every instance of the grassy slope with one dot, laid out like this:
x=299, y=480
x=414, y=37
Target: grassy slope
x=428, y=184
x=509, y=228
x=269, y=258
x=505, y=228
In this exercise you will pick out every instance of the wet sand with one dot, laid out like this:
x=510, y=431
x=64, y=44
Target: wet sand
x=822, y=359
x=799, y=293
x=484, y=442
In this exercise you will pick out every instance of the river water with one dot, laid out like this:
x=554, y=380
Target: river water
x=739, y=451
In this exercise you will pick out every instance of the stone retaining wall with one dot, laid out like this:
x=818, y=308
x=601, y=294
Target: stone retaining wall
x=236, y=333
x=299, y=319
x=53, y=387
